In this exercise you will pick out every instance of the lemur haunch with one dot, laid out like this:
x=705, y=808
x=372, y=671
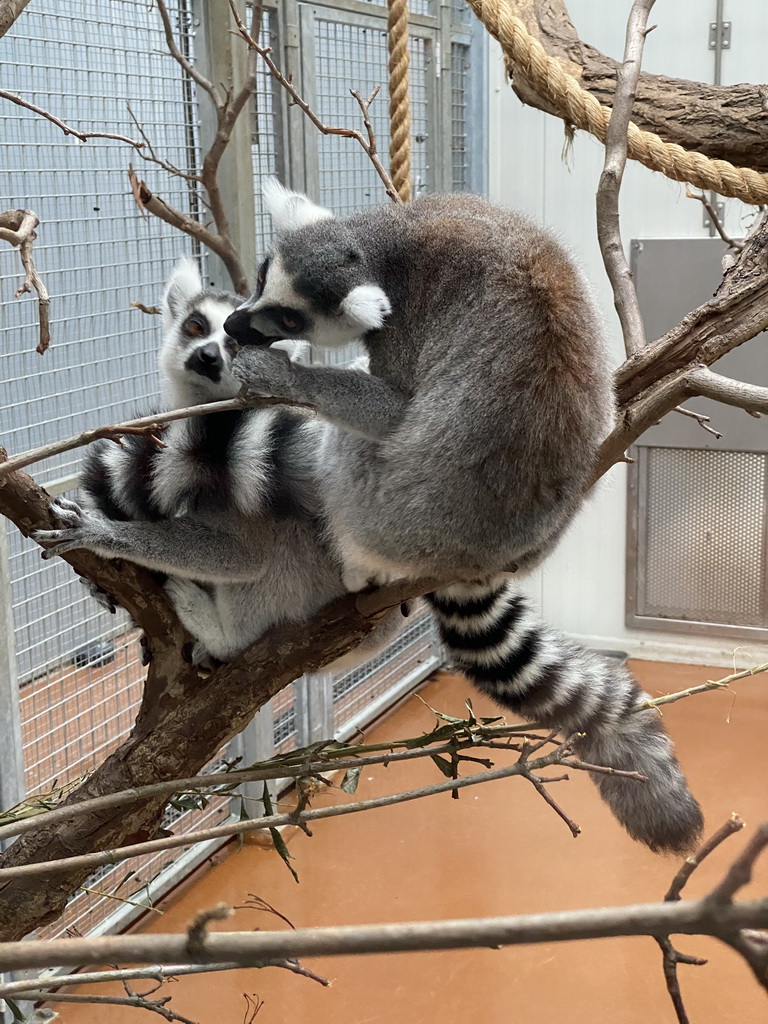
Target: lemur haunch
x=231, y=501
x=467, y=449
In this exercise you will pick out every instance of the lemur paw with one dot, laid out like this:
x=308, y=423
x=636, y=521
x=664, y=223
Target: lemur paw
x=100, y=595
x=264, y=373
x=79, y=529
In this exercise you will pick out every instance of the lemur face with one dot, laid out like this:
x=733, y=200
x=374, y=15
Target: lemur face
x=197, y=353
x=313, y=285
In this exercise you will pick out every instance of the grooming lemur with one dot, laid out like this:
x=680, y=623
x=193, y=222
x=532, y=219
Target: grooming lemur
x=230, y=501
x=466, y=451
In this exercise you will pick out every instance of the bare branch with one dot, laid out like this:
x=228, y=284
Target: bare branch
x=152, y=157
x=17, y=227
x=67, y=129
x=671, y=957
x=700, y=418
x=711, y=684
x=368, y=145
x=715, y=915
x=90, y=861
x=717, y=224
x=158, y=972
x=183, y=62
x=707, y=384
x=608, y=223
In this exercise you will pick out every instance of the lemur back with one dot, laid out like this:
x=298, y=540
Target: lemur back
x=466, y=452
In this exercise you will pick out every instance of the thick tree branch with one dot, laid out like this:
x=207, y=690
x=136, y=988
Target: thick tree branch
x=608, y=222
x=722, y=122
x=707, y=384
x=655, y=380
x=9, y=12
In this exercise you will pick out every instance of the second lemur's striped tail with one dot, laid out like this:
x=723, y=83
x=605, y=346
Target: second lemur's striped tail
x=539, y=674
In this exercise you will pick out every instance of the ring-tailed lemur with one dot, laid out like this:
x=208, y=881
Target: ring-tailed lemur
x=230, y=501
x=466, y=451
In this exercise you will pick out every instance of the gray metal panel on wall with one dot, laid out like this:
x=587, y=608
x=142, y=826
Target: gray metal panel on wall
x=674, y=276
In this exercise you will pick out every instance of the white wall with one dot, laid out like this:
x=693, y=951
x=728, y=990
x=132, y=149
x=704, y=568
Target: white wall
x=581, y=588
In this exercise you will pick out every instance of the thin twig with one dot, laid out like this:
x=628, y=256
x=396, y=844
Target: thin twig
x=711, y=684
x=700, y=418
x=91, y=861
x=671, y=957
x=151, y=157
x=368, y=145
x=608, y=222
x=152, y=1005
x=67, y=129
x=717, y=224
x=157, y=973
x=183, y=62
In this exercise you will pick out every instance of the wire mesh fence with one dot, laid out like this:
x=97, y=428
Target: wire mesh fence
x=78, y=669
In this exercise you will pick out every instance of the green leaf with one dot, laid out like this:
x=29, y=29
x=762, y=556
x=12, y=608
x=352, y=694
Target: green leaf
x=277, y=839
x=17, y=1014
x=444, y=765
x=440, y=715
x=351, y=779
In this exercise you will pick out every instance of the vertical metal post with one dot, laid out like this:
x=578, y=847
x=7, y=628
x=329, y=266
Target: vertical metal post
x=255, y=743
x=221, y=57
x=12, y=789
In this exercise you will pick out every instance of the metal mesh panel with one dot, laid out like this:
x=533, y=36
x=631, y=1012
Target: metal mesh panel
x=355, y=691
x=110, y=890
x=264, y=146
x=703, y=536
x=351, y=56
x=285, y=719
x=459, y=140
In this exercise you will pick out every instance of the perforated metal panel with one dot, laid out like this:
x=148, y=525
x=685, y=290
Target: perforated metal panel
x=697, y=539
x=702, y=536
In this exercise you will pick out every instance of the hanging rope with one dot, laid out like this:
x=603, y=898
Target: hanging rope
x=547, y=77
x=399, y=99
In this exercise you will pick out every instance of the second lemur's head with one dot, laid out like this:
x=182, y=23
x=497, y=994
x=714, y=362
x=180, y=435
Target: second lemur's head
x=196, y=357
x=314, y=284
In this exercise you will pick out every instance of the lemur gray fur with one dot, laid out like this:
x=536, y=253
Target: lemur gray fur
x=466, y=451
x=229, y=502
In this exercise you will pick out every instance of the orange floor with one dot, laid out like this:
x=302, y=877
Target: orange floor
x=496, y=850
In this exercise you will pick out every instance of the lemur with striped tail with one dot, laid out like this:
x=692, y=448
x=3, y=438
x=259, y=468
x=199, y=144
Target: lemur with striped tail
x=465, y=453
x=228, y=509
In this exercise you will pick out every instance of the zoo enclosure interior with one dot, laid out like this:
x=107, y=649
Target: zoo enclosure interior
x=77, y=669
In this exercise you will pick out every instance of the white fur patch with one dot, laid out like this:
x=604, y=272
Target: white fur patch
x=182, y=286
x=367, y=305
x=290, y=210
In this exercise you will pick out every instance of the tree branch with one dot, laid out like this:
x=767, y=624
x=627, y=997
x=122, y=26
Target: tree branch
x=716, y=915
x=67, y=129
x=608, y=222
x=17, y=227
x=708, y=384
x=368, y=145
x=9, y=12
x=722, y=122
x=671, y=957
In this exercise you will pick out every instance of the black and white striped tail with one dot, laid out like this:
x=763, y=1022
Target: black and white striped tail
x=536, y=672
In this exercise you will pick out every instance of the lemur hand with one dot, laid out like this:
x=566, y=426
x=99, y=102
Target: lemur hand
x=265, y=373
x=80, y=528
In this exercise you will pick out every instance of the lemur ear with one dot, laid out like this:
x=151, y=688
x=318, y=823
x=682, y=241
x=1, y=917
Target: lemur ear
x=290, y=210
x=182, y=286
x=367, y=305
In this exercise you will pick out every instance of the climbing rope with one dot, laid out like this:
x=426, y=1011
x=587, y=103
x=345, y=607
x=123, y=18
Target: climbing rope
x=399, y=99
x=547, y=77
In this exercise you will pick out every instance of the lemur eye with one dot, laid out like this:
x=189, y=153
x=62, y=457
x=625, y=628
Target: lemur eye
x=290, y=323
x=261, y=278
x=195, y=326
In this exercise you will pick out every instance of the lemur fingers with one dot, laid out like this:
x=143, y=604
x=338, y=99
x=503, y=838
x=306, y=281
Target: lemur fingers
x=74, y=533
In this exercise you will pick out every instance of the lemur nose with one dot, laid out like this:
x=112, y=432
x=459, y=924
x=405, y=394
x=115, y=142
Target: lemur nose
x=210, y=354
x=238, y=326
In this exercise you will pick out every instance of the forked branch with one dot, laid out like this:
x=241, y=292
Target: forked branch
x=17, y=227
